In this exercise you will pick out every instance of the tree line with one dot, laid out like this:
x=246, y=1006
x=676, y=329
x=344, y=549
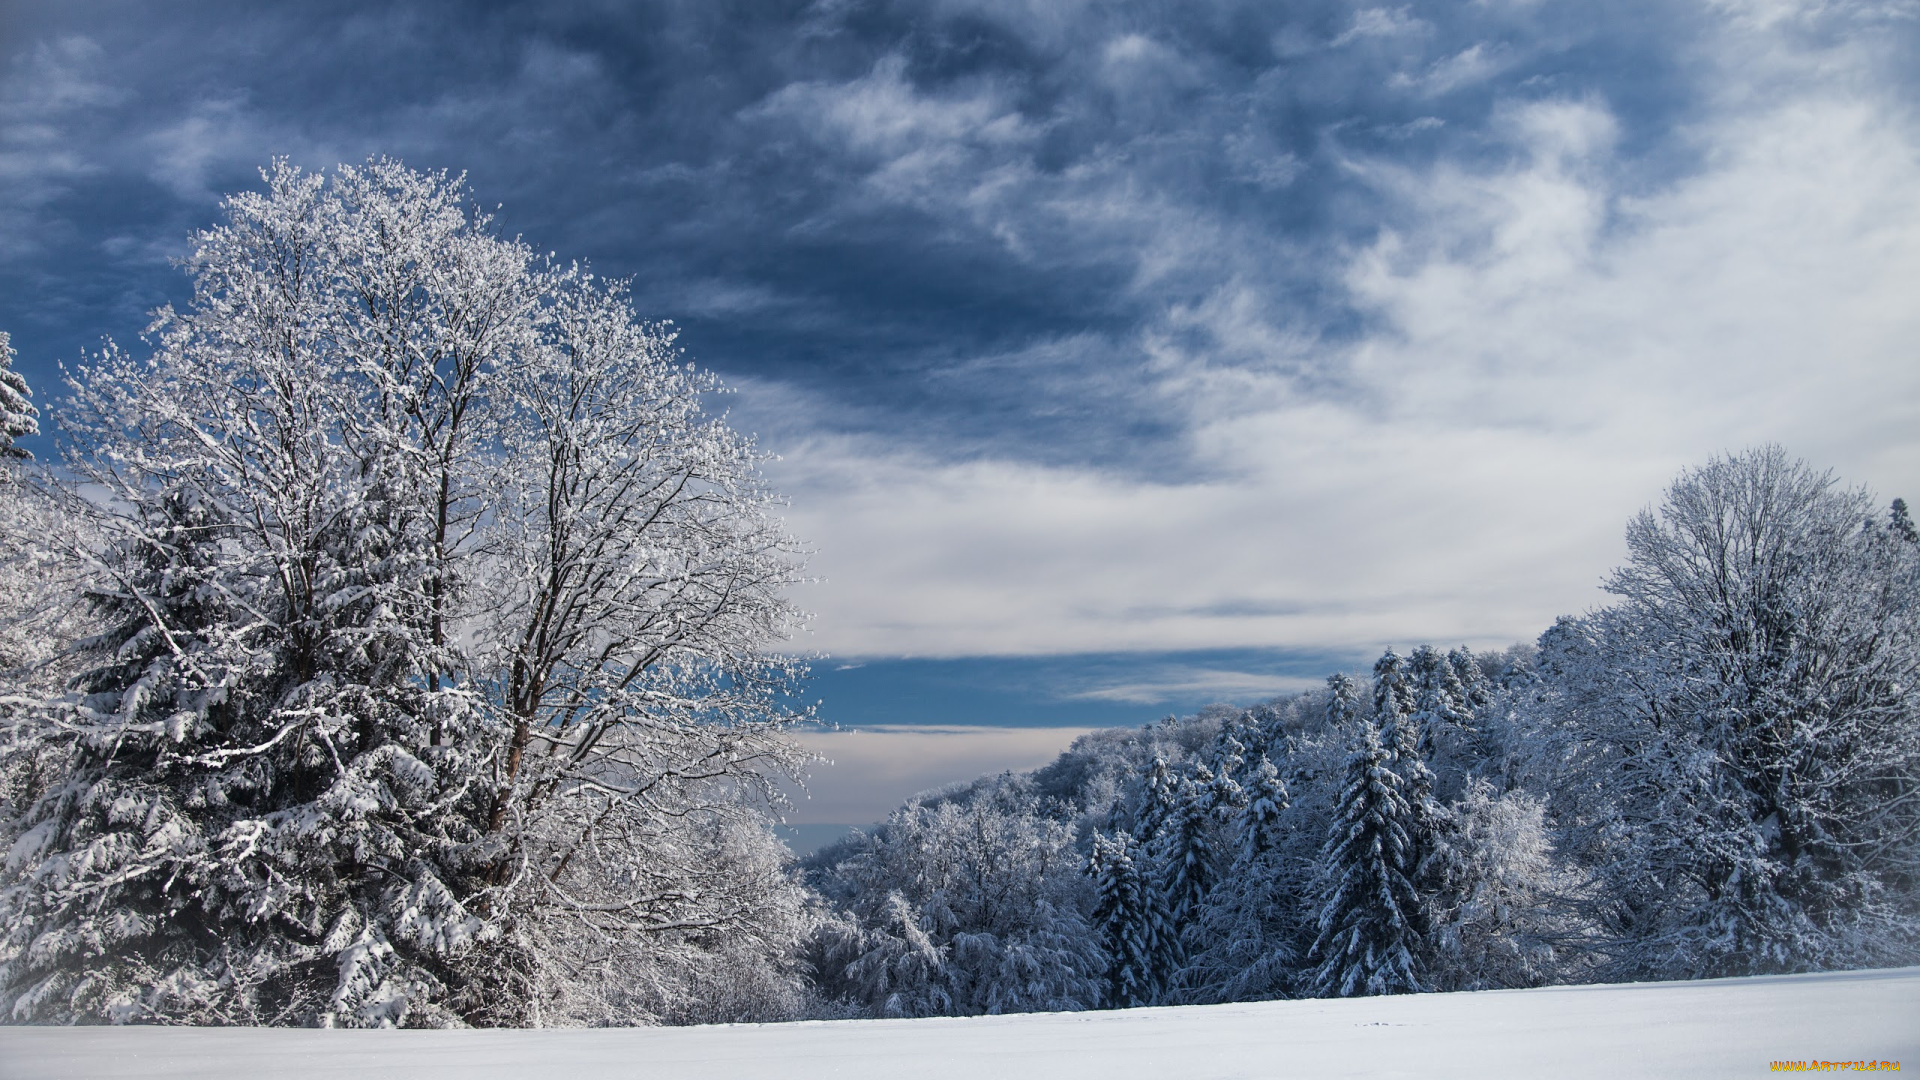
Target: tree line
x=1717, y=774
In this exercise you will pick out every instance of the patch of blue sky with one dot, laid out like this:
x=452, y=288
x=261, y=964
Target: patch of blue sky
x=1111, y=689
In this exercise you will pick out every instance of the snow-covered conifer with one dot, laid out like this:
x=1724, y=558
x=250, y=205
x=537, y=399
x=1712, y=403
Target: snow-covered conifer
x=1260, y=822
x=1476, y=688
x=1369, y=939
x=1131, y=922
x=1901, y=522
x=1242, y=945
x=1185, y=845
x=39, y=609
x=1395, y=705
x=18, y=416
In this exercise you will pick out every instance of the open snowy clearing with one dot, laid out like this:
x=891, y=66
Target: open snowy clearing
x=1727, y=1027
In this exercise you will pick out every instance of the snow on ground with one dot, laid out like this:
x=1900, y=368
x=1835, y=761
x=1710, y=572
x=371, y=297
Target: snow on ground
x=1726, y=1027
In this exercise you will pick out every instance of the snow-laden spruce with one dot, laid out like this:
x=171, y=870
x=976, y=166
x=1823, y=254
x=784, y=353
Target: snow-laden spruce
x=432, y=686
x=1371, y=919
x=19, y=418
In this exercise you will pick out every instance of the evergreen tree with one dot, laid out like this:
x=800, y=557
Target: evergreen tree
x=1369, y=934
x=17, y=412
x=1243, y=945
x=1185, y=844
x=1396, y=708
x=1439, y=697
x=1901, y=522
x=1260, y=825
x=1343, y=701
x=1476, y=688
x=1395, y=704
x=1157, y=798
x=1131, y=922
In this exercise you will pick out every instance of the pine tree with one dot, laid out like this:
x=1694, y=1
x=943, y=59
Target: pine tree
x=1157, y=798
x=1260, y=824
x=1403, y=730
x=1901, y=522
x=1242, y=948
x=1343, y=701
x=1184, y=845
x=1369, y=939
x=1439, y=697
x=1131, y=922
x=17, y=412
x=1474, y=684
x=1394, y=705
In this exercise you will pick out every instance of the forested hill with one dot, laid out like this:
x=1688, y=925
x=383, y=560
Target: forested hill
x=1718, y=774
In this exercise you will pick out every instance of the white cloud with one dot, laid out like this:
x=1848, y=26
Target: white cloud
x=1382, y=23
x=1474, y=64
x=1169, y=684
x=213, y=140
x=883, y=114
x=1550, y=346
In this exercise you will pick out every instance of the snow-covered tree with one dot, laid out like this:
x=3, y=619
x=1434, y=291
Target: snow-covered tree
x=1260, y=822
x=634, y=576
x=1370, y=937
x=1476, y=688
x=726, y=949
x=291, y=790
x=1506, y=910
x=249, y=828
x=961, y=910
x=1394, y=704
x=1901, y=522
x=1344, y=701
x=1243, y=943
x=18, y=416
x=1131, y=921
x=39, y=592
x=1742, y=729
x=1185, y=844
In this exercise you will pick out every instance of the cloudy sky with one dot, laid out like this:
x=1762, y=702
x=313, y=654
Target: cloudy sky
x=1120, y=357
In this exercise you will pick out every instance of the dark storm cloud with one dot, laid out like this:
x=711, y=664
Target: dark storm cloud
x=968, y=224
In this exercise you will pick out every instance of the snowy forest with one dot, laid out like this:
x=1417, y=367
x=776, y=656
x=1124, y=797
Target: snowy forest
x=398, y=641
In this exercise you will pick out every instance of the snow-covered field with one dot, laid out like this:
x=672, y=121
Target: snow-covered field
x=1727, y=1027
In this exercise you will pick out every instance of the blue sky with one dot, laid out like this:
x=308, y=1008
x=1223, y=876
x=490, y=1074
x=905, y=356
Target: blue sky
x=1120, y=357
